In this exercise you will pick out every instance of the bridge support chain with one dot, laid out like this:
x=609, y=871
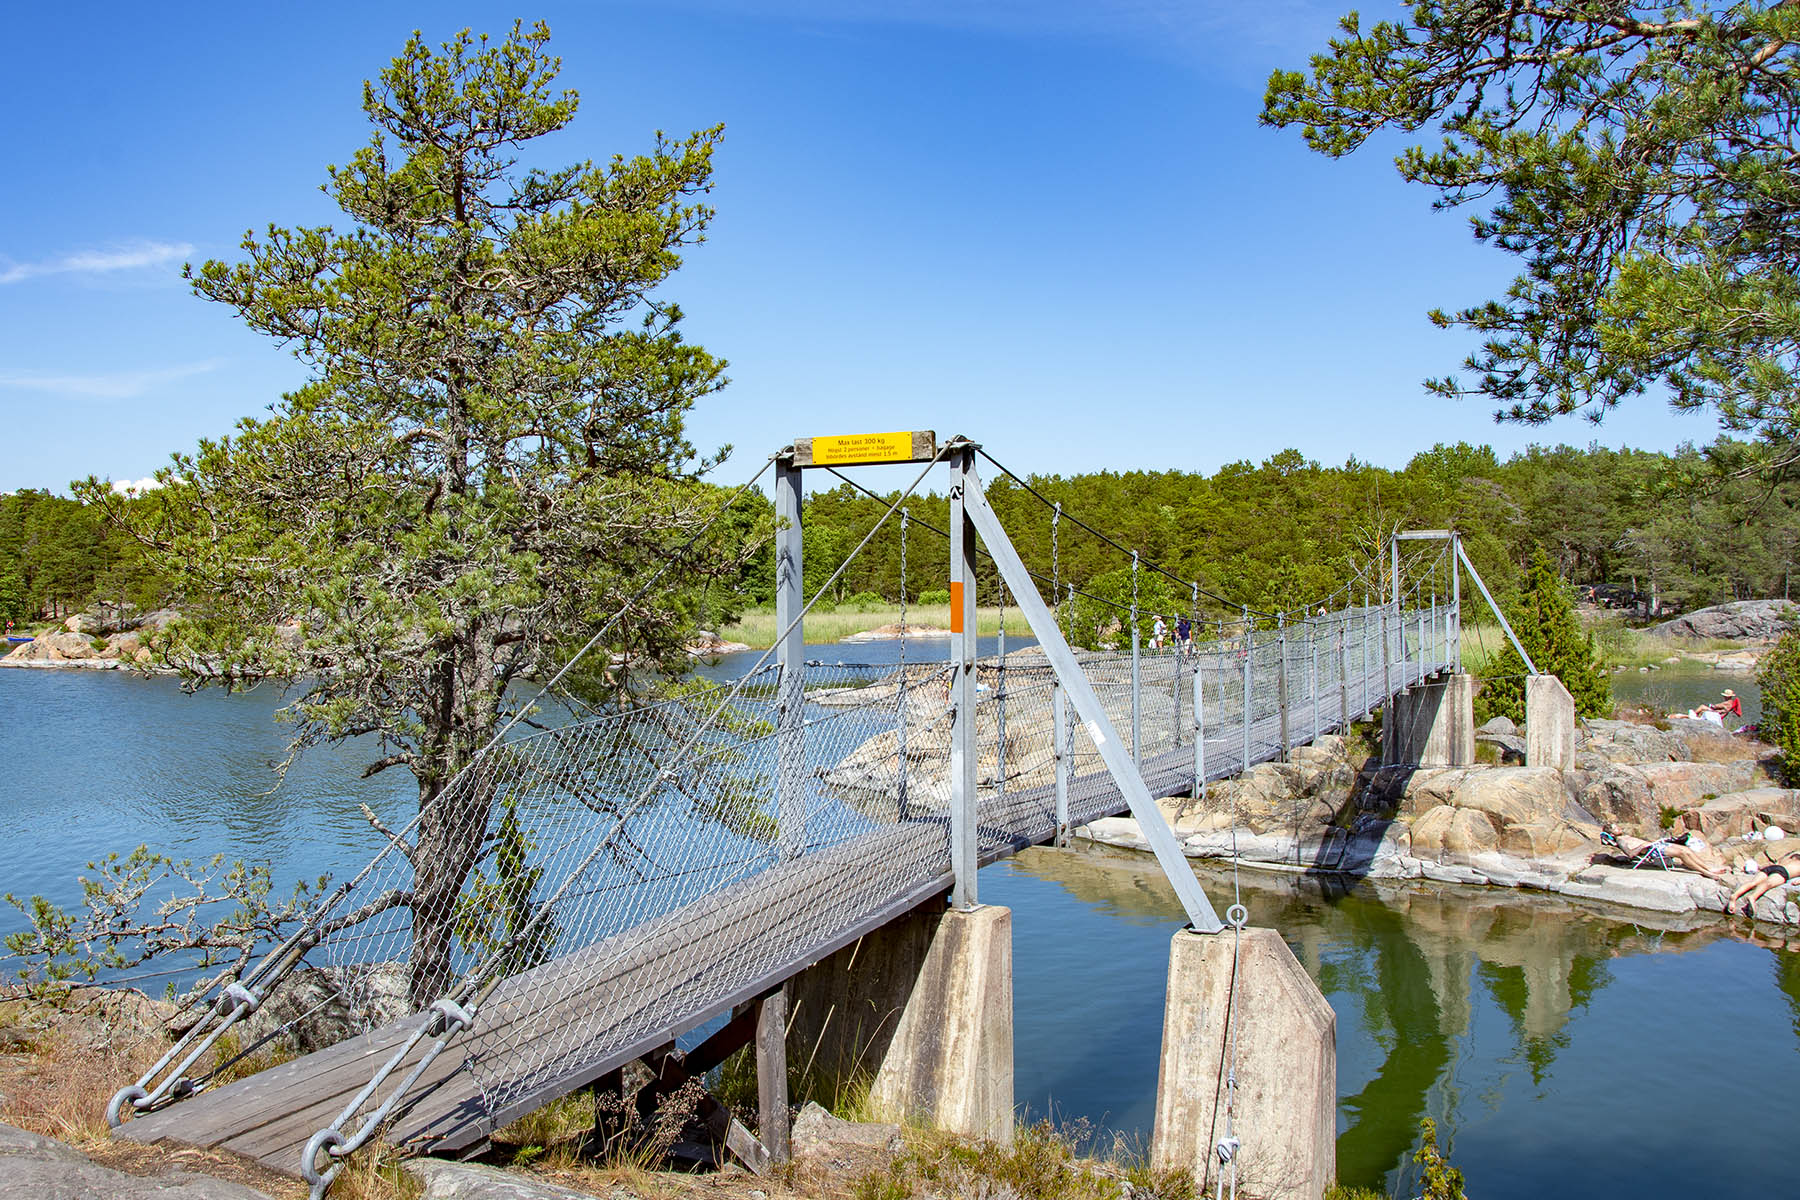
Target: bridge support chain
x=1431, y=724
x=1266, y=1088
x=1549, y=723
x=921, y=1012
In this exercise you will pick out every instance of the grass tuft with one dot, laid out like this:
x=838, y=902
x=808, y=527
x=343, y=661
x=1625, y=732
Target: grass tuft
x=1041, y=1164
x=375, y=1173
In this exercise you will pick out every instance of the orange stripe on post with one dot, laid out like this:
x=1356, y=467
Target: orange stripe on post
x=956, y=606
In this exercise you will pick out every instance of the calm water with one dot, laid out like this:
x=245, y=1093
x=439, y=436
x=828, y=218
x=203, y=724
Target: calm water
x=1551, y=1042
x=1679, y=688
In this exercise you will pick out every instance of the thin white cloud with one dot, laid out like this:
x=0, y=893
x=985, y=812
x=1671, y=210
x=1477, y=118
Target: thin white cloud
x=136, y=487
x=105, y=385
x=129, y=257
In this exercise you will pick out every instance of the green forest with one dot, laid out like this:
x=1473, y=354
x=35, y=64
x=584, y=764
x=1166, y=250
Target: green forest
x=1280, y=535
x=1275, y=536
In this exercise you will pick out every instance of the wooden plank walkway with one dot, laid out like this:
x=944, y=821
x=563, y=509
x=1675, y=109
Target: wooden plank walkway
x=664, y=977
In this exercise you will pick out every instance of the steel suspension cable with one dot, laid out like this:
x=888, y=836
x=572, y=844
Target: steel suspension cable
x=1115, y=544
x=457, y=1010
x=246, y=992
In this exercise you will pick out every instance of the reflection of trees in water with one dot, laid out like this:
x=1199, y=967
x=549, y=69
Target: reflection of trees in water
x=1401, y=962
x=1384, y=1115
x=1787, y=978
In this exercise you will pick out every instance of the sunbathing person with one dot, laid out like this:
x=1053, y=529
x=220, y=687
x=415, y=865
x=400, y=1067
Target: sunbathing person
x=1763, y=882
x=1684, y=850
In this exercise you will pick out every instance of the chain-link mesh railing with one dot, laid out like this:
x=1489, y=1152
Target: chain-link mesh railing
x=596, y=887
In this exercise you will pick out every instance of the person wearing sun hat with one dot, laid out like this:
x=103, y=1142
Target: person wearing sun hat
x=1730, y=706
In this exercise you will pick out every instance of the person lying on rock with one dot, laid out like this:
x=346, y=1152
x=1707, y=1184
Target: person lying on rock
x=1764, y=881
x=1687, y=851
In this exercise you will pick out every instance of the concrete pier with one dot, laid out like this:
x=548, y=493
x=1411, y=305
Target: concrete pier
x=919, y=1011
x=1549, y=723
x=1285, y=1109
x=1431, y=724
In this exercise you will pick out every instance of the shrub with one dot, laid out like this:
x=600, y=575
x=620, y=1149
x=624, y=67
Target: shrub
x=1440, y=1180
x=934, y=596
x=1105, y=605
x=1779, y=676
x=1544, y=618
x=864, y=602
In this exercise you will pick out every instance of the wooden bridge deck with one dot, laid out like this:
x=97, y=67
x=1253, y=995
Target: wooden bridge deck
x=795, y=912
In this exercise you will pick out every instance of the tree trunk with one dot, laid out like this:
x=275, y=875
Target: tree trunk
x=454, y=821
x=450, y=838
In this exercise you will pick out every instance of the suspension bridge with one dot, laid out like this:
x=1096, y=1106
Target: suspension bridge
x=642, y=872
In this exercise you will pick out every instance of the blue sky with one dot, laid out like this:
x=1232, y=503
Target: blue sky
x=1055, y=226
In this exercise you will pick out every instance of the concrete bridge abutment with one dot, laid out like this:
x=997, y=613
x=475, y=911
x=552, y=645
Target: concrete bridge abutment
x=1549, y=723
x=920, y=1013
x=1431, y=724
x=1284, y=1106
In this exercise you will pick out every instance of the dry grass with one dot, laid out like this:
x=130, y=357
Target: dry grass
x=1618, y=645
x=66, y=1065
x=1727, y=749
x=757, y=628
x=375, y=1173
x=1041, y=1164
x=63, y=1067
x=633, y=1179
x=557, y=1121
x=60, y=1085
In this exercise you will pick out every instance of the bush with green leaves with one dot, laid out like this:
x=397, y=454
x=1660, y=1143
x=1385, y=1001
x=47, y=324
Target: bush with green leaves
x=1440, y=1180
x=934, y=596
x=1544, y=618
x=1779, y=677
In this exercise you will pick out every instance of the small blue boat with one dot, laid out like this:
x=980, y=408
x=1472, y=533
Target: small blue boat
x=17, y=640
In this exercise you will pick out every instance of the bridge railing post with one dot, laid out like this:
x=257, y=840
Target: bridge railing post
x=1199, y=729
x=1249, y=696
x=1365, y=667
x=1059, y=747
x=964, y=848
x=790, y=704
x=1387, y=654
x=1455, y=619
x=1343, y=673
x=1000, y=707
x=1312, y=641
x=1281, y=681
x=1177, y=667
x=1137, y=694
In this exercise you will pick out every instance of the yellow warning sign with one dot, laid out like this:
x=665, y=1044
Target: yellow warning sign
x=855, y=449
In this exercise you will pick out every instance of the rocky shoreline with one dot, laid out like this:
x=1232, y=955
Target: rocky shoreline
x=1505, y=824
x=108, y=641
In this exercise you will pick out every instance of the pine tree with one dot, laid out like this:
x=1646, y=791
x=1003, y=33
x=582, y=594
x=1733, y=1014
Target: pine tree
x=1544, y=619
x=489, y=454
